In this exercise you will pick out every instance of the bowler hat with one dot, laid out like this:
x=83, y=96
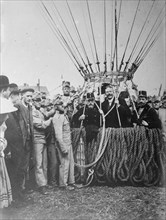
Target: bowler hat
x=142, y=94
x=4, y=81
x=27, y=89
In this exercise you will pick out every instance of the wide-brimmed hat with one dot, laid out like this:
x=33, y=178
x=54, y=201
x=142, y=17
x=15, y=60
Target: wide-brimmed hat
x=4, y=82
x=6, y=106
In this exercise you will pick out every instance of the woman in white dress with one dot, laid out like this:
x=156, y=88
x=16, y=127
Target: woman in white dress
x=5, y=187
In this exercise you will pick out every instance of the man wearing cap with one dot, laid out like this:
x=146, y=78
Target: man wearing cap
x=147, y=115
x=67, y=100
x=4, y=87
x=40, y=150
x=20, y=146
x=63, y=139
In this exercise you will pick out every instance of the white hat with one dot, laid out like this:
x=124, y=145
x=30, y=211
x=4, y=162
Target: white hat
x=6, y=106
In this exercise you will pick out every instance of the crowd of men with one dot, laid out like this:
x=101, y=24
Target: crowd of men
x=39, y=153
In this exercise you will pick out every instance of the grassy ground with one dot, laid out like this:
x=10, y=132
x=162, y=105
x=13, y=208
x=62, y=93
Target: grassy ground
x=102, y=203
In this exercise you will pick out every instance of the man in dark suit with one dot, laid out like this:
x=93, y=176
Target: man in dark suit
x=89, y=117
x=110, y=109
x=20, y=143
x=147, y=115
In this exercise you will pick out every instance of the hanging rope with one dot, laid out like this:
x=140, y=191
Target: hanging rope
x=148, y=49
x=150, y=32
x=135, y=45
x=89, y=63
x=89, y=39
x=105, y=39
x=90, y=20
x=132, y=156
x=151, y=42
x=68, y=32
x=118, y=23
x=116, y=36
x=129, y=36
x=60, y=39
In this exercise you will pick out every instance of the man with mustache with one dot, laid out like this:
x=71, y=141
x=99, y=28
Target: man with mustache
x=147, y=115
x=89, y=117
x=110, y=109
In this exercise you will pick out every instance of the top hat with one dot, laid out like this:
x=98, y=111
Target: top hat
x=4, y=81
x=27, y=89
x=90, y=96
x=142, y=94
x=6, y=106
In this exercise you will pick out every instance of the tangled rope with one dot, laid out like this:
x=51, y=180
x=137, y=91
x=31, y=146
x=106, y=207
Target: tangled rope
x=132, y=156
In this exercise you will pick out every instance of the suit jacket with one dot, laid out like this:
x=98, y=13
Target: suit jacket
x=111, y=120
x=19, y=130
x=150, y=116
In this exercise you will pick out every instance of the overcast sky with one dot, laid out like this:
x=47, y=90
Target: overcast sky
x=30, y=51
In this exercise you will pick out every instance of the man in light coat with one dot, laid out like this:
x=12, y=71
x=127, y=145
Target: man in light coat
x=63, y=138
x=40, y=150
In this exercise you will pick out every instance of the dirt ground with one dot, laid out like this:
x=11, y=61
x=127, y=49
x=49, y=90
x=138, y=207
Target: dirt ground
x=101, y=203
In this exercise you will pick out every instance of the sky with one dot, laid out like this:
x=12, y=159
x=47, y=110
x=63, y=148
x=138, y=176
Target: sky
x=30, y=51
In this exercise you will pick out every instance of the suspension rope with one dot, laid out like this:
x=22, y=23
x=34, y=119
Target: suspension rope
x=116, y=35
x=55, y=32
x=149, y=48
x=59, y=33
x=90, y=65
x=89, y=39
x=149, y=41
x=129, y=37
x=118, y=22
x=135, y=45
x=97, y=58
x=68, y=33
x=149, y=34
x=105, y=39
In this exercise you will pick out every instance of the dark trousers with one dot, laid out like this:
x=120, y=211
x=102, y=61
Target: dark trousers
x=53, y=164
x=18, y=170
